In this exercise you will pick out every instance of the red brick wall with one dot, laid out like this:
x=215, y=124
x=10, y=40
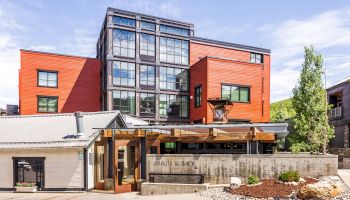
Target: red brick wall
x=236, y=69
x=78, y=82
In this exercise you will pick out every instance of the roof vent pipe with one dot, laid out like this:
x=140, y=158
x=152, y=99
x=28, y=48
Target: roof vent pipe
x=79, y=123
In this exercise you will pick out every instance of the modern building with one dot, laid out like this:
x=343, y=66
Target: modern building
x=339, y=116
x=154, y=69
x=57, y=83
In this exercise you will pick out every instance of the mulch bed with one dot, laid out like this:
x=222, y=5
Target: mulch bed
x=269, y=188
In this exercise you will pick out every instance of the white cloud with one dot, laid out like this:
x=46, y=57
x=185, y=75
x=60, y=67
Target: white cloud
x=328, y=32
x=43, y=48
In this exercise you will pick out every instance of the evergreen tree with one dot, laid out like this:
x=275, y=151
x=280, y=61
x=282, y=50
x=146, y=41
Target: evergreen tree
x=312, y=129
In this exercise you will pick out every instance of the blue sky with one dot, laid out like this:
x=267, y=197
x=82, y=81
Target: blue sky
x=72, y=27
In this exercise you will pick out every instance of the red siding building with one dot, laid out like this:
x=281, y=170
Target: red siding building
x=51, y=83
x=222, y=71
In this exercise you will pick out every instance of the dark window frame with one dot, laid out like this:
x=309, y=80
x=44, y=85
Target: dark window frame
x=114, y=20
x=145, y=28
x=182, y=105
x=46, y=71
x=253, y=58
x=142, y=35
x=15, y=172
x=198, y=96
x=152, y=86
x=47, y=97
x=180, y=82
x=150, y=114
x=238, y=86
x=120, y=105
x=120, y=47
x=128, y=79
x=174, y=50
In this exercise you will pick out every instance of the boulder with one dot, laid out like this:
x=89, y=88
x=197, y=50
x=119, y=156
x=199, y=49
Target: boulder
x=319, y=190
x=235, y=181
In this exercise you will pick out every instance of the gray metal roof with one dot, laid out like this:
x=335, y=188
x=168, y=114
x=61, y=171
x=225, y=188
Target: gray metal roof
x=231, y=45
x=44, y=131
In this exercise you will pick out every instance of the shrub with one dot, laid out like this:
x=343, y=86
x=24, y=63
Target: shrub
x=289, y=176
x=253, y=180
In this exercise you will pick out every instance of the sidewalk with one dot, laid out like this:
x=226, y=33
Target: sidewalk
x=344, y=174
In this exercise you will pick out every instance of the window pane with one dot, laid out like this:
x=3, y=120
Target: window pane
x=226, y=91
x=244, y=94
x=234, y=93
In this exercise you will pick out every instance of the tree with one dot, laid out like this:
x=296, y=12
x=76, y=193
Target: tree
x=312, y=129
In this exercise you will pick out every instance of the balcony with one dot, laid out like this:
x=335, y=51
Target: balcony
x=335, y=113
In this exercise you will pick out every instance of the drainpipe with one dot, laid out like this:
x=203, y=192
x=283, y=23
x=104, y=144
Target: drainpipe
x=79, y=123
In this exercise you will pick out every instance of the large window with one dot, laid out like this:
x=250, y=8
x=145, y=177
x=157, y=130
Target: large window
x=236, y=93
x=123, y=73
x=148, y=25
x=47, y=79
x=147, y=44
x=124, y=21
x=47, y=104
x=124, y=101
x=147, y=104
x=147, y=76
x=173, y=50
x=174, y=30
x=256, y=58
x=173, y=105
x=123, y=43
x=173, y=79
x=29, y=170
x=198, y=96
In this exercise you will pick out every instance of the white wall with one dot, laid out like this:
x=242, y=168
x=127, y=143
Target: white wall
x=63, y=167
x=90, y=166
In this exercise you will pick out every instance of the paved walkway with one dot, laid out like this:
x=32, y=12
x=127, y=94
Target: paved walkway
x=94, y=195
x=344, y=174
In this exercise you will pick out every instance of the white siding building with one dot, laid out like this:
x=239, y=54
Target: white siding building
x=54, y=152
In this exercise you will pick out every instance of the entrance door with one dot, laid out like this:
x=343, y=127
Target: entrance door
x=29, y=170
x=126, y=167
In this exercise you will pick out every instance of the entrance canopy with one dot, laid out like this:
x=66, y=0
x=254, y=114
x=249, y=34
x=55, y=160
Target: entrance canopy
x=267, y=132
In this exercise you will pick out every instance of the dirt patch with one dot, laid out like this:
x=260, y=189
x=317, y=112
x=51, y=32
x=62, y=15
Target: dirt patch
x=269, y=188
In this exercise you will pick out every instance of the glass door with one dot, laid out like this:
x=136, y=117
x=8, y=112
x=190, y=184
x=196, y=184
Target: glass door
x=126, y=165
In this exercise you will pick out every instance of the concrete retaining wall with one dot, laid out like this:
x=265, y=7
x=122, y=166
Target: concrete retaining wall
x=218, y=168
x=171, y=188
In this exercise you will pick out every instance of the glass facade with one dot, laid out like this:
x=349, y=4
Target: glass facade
x=174, y=30
x=124, y=21
x=173, y=78
x=148, y=25
x=173, y=105
x=147, y=75
x=123, y=73
x=147, y=104
x=173, y=50
x=47, y=104
x=235, y=93
x=147, y=44
x=47, y=79
x=123, y=43
x=124, y=101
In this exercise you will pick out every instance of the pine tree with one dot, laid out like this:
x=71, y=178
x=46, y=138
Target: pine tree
x=312, y=129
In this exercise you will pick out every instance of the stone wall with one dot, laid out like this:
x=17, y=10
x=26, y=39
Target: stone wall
x=218, y=168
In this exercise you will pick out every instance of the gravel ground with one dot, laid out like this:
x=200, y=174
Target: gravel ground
x=218, y=193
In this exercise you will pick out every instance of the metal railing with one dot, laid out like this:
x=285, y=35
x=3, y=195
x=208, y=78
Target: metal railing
x=335, y=112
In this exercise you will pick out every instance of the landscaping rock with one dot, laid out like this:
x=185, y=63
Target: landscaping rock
x=235, y=181
x=319, y=190
x=301, y=180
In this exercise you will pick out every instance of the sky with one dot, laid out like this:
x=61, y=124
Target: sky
x=285, y=27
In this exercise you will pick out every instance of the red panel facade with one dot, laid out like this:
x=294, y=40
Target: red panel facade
x=213, y=66
x=78, y=87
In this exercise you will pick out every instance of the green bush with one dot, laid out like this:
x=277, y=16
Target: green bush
x=253, y=180
x=289, y=176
